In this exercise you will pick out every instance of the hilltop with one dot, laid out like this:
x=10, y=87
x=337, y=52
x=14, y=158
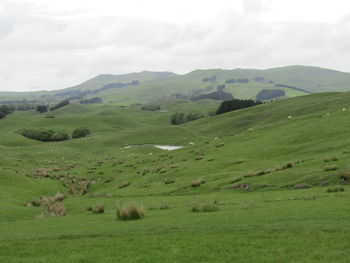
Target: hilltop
x=147, y=86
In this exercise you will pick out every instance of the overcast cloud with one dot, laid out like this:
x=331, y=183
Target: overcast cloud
x=59, y=43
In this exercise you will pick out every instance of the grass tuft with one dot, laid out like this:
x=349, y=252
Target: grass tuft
x=131, y=212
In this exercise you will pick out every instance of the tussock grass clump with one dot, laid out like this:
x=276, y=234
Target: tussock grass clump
x=131, y=212
x=124, y=184
x=58, y=197
x=197, y=158
x=335, y=189
x=204, y=207
x=169, y=181
x=210, y=159
x=198, y=182
x=98, y=209
x=238, y=161
x=332, y=159
x=330, y=168
x=52, y=207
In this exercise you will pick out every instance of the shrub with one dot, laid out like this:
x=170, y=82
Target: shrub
x=151, y=107
x=44, y=135
x=98, y=209
x=335, y=189
x=59, y=136
x=131, y=212
x=81, y=132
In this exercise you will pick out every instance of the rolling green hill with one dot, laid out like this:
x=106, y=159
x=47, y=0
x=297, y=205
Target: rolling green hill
x=268, y=183
x=261, y=174
x=149, y=86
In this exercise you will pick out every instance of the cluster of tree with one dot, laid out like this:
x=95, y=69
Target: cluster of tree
x=81, y=132
x=44, y=135
x=291, y=87
x=180, y=117
x=239, y=80
x=41, y=108
x=151, y=107
x=60, y=105
x=269, y=94
x=91, y=101
x=236, y=104
x=216, y=95
x=209, y=79
x=4, y=110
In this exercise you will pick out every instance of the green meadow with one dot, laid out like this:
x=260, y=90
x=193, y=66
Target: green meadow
x=263, y=184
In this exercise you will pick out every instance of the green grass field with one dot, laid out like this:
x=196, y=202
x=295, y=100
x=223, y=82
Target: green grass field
x=250, y=163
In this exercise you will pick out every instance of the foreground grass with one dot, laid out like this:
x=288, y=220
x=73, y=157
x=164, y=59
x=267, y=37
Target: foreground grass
x=274, y=226
x=268, y=221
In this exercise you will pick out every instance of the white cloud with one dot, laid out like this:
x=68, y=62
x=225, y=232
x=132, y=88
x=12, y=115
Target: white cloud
x=56, y=44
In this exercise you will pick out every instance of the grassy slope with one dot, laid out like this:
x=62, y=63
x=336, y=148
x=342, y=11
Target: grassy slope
x=271, y=222
x=155, y=85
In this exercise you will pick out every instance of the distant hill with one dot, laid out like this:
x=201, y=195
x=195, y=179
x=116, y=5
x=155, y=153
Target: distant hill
x=148, y=86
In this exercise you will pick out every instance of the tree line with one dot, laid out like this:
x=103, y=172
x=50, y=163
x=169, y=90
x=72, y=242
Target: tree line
x=180, y=117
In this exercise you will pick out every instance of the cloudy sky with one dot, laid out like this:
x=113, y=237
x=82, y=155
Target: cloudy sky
x=59, y=43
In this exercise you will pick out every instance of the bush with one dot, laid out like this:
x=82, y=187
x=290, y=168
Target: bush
x=44, y=135
x=131, y=212
x=151, y=107
x=81, y=132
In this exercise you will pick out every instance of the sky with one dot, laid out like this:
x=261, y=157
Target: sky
x=54, y=44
